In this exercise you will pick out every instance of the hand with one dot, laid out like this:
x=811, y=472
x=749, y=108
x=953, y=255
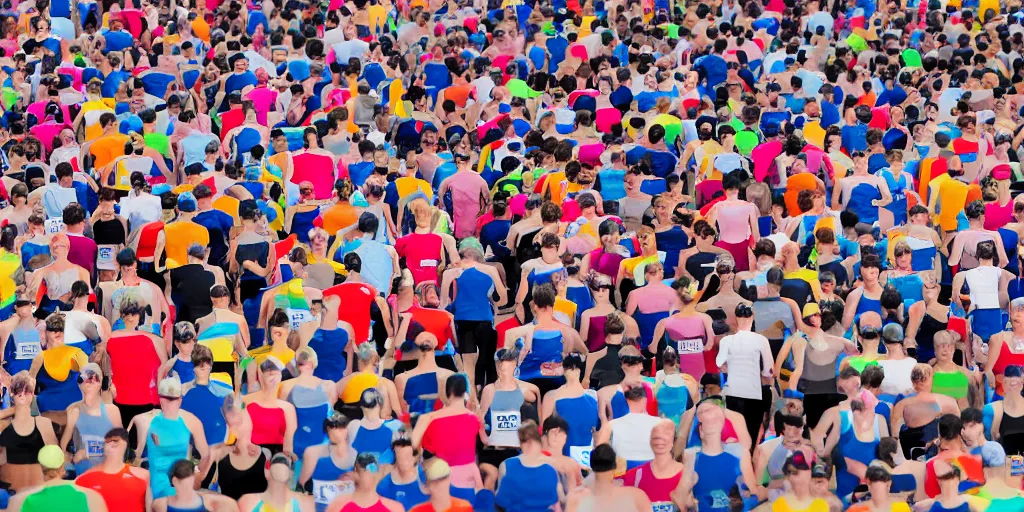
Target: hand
x=250, y=265
x=876, y=202
x=79, y=456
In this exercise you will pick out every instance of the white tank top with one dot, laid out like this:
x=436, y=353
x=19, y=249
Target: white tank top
x=897, y=375
x=984, y=284
x=631, y=436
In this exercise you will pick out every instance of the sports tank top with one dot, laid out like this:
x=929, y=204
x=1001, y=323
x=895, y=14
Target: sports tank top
x=984, y=285
x=688, y=336
x=89, y=436
x=174, y=444
x=631, y=436
x=311, y=409
x=329, y=342
x=606, y=263
x=63, y=497
x=528, y=489
x=819, y=377
x=503, y=418
x=356, y=384
x=1011, y=434
x=235, y=482
x=472, y=299
x=718, y=474
x=205, y=402
x=376, y=441
x=22, y=449
x=658, y=490
x=544, y=361
x=134, y=364
x=421, y=393
x=122, y=491
x=453, y=438
x=582, y=415
x=268, y=424
x=376, y=507
x=1006, y=358
x=22, y=346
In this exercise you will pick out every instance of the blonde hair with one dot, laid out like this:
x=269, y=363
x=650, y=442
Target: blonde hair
x=22, y=381
x=946, y=337
x=306, y=355
x=920, y=374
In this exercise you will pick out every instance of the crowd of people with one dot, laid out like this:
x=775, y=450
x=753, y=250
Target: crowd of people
x=517, y=256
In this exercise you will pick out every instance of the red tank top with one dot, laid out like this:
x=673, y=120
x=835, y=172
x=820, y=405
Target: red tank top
x=1006, y=358
x=453, y=438
x=357, y=298
x=658, y=490
x=422, y=252
x=122, y=491
x=133, y=367
x=147, y=239
x=268, y=424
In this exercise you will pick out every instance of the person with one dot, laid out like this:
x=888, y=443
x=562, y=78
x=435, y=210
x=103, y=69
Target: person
x=744, y=355
x=239, y=467
x=949, y=498
x=122, y=486
x=450, y=433
x=879, y=482
x=580, y=410
x=1001, y=473
x=350, y=388
x=311, y=397
x=185, y=498
x=528, y=481
x=89, y=421
x=325, y=465
x=544, y=342
x=54, y=491
x=688, y=332
x=920, y=411
x=605, y=493
x=712, y=460
x=23, y=470
x=20, y=338
x=57, y=368
x=168, y=435
x=628, y=433
x=1007, y=413
x=274, y=420
x=135, y=360
x=798, y=475
x=504, y=405
x=660, y=477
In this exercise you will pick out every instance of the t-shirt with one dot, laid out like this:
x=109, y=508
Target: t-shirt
x=466, y=188
x=219, y=225
x=339, y=216
x=107, y=148
x=457, y=505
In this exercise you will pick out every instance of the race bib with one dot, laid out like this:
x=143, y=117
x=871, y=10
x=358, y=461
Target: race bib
x=664, y=506
x=761, y=279
x=691, y=346
x=105, y=257
x=27, y=350
x=93, y=445
x=551, y=369
x=325, y=491
x=504, y=421
x=581, y=454
x=54, y=226
x=299, y=317
x=428, y=263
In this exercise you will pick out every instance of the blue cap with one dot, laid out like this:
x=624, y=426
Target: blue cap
x=187, y=202
x=792, y=394
x=993, y=455
x=161, y=189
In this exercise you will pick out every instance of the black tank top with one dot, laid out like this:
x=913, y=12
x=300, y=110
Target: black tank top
x=926, y=336
x=236, y=482
x=108, y=232
x=607, y=371
x=1011, y=434
x=22, y=449
x=695, y=265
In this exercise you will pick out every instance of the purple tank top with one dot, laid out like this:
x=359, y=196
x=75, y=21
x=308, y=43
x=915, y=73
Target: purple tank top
x=605, y=263
x=595, y=336
x=687, y=334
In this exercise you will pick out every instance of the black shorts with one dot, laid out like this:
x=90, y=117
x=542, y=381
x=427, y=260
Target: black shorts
x=446, y=362
x=495, y=456
x=474, y=334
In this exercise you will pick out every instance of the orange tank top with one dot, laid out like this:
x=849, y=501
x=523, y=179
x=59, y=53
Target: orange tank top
x=122, y=491
x=179, y=236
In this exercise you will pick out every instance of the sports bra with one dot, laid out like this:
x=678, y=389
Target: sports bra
x=22, y=449
x=268, y=424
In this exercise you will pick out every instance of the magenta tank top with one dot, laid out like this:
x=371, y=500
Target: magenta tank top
x=606, y=263
x=687, y=334
x=997, y=216
x=595, y=336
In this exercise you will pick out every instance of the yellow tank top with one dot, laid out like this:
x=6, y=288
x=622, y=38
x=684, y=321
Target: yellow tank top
x=952, y=195
x=179, y=236
x=92, y=110
x=356, y=385
x=781, y=505
x=285, y=354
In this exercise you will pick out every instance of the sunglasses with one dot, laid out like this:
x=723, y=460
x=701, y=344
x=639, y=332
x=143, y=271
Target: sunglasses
x=90, y=378
x=631, y=360
x=869, y=333
x=172, y=398
x=600, y=287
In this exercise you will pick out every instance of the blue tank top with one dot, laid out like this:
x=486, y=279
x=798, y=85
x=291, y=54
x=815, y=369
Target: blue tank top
x=855, y=449
x=421, y=393
x=673, y=401
x=612, y=187
x=1010, y=241
x=619, y=406
x=378, y=269
x=859, y=202
x=718, y=475
x=185, y=370
x=866, y=304
x=545, y=352
x=897, y=187
x=579, y=295
x=581, y=414
x=527, y=489
x=174, y=438
x=672, y=241
x=409, y=495
x=22, y=346
x=473, y=298
x=326, y=482
x=205, y=403
x=909, y=287
x=302, y=222
x=329, y=342
x=964, y=507
x=245, y=140
x=89, y=436
x=646, y=322
x=376, y=441
x=311, y=409
x=200, y=508
x=56, y=395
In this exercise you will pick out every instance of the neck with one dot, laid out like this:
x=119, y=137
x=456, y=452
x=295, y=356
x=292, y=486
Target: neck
x=277, y=491
x=604, y=481
x=113, y=464
x=440, y=502
x=92, y=400
x=662, y=460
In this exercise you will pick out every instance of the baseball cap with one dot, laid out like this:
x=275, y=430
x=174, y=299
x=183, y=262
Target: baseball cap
x=1016, y=465
x=821, y=470
x=187, y=202
x=51, y=457
x=437, y=469
x=170, y=387
x=993, y=455
x=892, y=333
x=811, y=309
x=281, y=458
x=1001, y=172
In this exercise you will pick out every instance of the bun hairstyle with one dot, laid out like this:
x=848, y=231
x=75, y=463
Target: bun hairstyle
x=613, y=324
x=685, y=289
x=343, y=188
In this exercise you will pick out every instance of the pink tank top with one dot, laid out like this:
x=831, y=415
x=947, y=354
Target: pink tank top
x=733, y=223
x=658, y=490
x=689, y=335
x=997, y=216
x=605, y=263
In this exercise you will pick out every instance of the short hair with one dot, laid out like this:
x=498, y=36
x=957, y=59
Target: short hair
x=872, y=377
x=201, y=354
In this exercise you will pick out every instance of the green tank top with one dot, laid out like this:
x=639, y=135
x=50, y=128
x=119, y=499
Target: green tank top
x=159, y=142
x=63, y=497
x=861, y=362
x=951, y=384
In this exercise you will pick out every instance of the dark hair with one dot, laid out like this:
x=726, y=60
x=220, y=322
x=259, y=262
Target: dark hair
x=278, y=319
x=74, y=214
x=950, y=426
x=872, y=377
x=457, y=385
x=182, y=469
x=353, y=262
x=544, y=295
x=368, y=223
